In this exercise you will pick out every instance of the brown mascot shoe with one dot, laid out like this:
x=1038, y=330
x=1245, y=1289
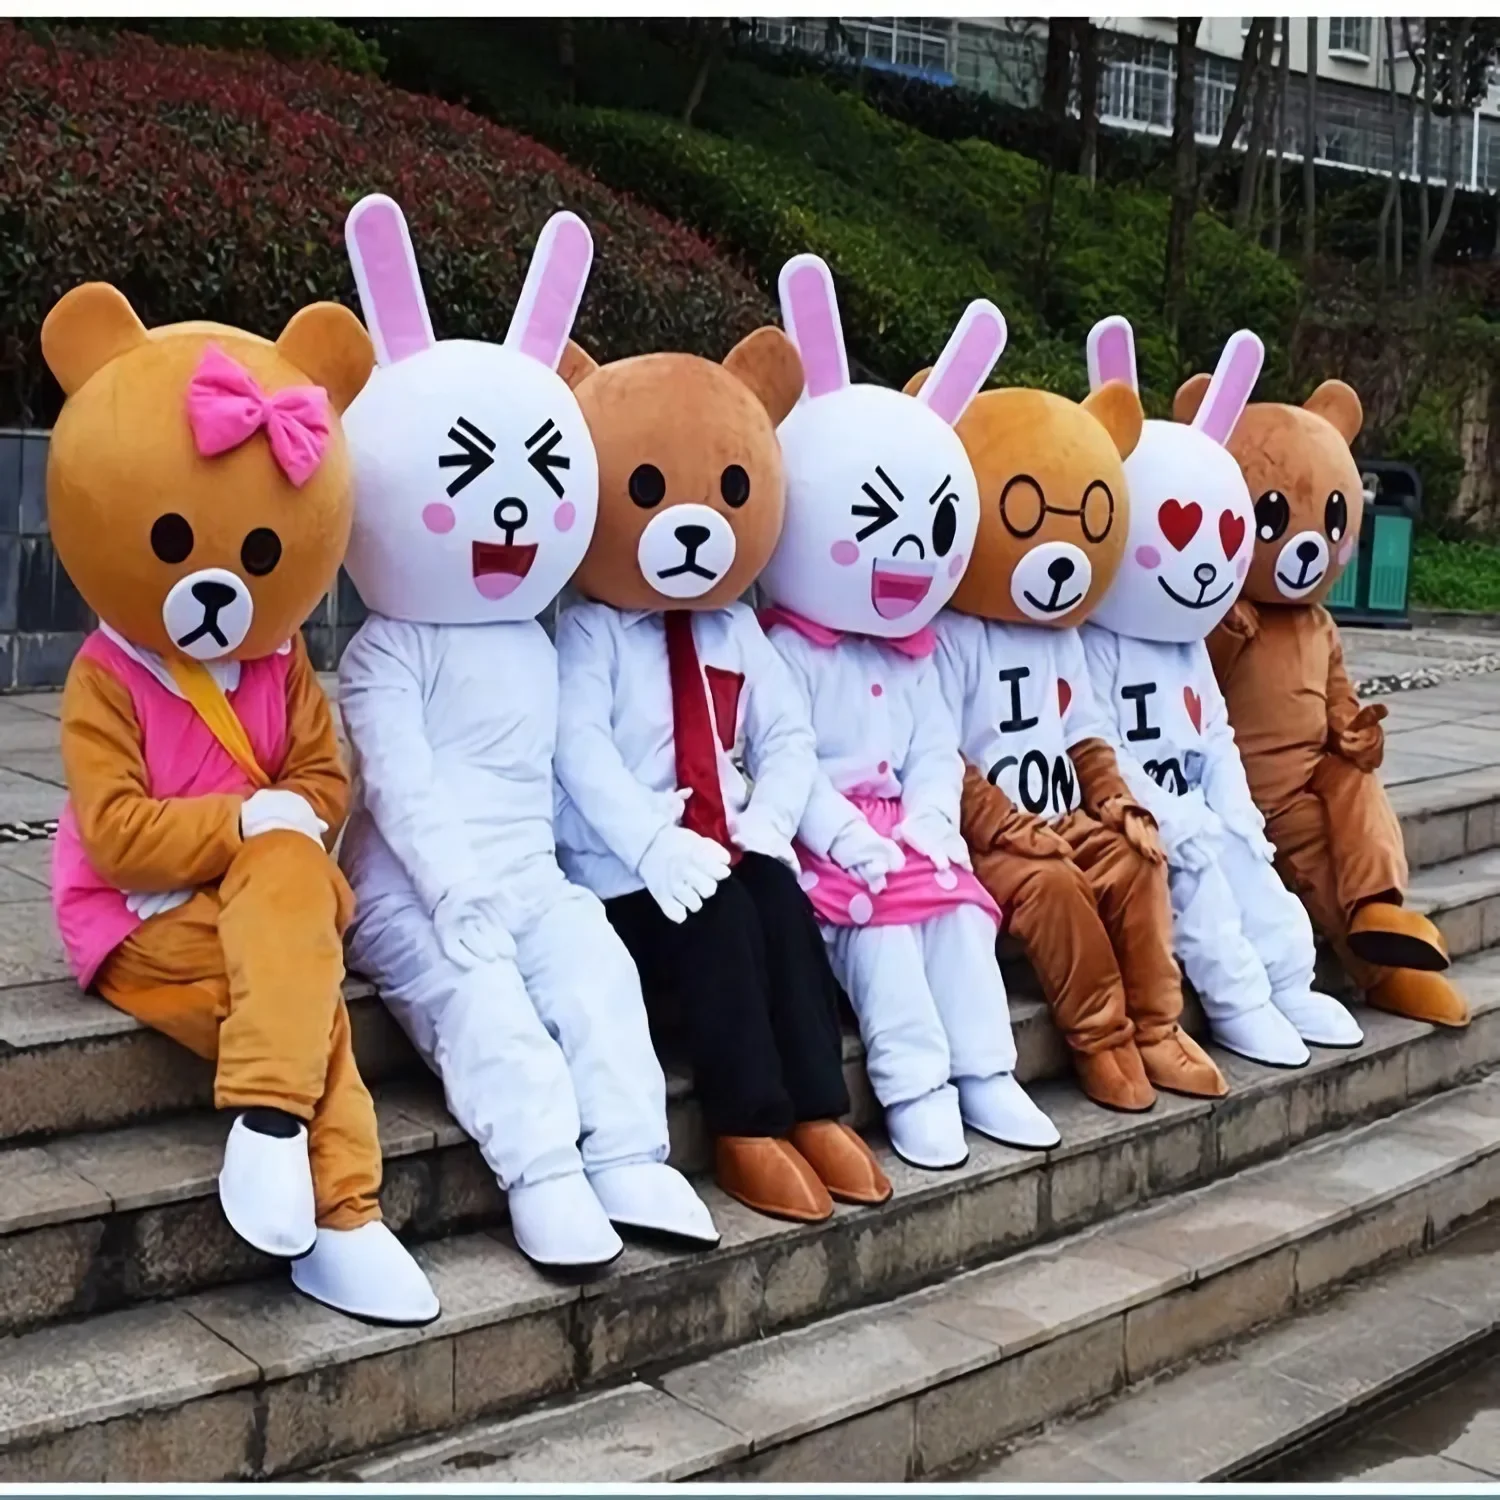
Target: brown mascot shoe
x=770, y=1176
x=846, y=1166
x=1395, y=937
x=1420, y=996
x=1115, y=1078
x=1179, y=1065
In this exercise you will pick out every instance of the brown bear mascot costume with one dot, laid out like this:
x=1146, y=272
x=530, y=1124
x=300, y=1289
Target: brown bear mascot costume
x=1311, y=752
x=198, y=490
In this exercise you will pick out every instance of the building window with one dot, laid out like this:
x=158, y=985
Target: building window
x=922, y=45
x=1349, y=36
x=1138, y=90
x=1279, y=24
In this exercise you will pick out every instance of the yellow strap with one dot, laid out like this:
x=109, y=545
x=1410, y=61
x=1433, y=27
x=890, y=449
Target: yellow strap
x=201, y=689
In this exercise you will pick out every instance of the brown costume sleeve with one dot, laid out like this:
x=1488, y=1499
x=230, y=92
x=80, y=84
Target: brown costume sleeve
x=136, y=841
x=984, y=812
x=1099, y=778
x=313, y=767
x=1227, y=642
x=1343, y=702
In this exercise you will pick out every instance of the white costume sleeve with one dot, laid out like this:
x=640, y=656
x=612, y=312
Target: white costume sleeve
x=1225, y=788
x=626, y=814
x=956, y=665
x=781, y=752
x=1086, y=717
x=382, y=696
x=932, y=781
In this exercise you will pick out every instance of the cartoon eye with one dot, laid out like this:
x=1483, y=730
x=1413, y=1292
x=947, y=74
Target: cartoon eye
x=1022, y=506
x=880, y=510
x=1336, y=516
x=1272, y=515
x=648, y=486
x=944, y=519
x=261, y=552
x=477, y=455
x=734, y=486
x=172, y=538
x=545, y=459
x=1097, y=513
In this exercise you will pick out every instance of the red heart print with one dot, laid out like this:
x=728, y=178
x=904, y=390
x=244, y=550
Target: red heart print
x=1231, y=532
x=1064, y=695
x=1194, y=708
x=1179, y=523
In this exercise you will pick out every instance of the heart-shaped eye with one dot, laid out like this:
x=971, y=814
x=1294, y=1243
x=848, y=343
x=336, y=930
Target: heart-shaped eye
x=1231, y=532
x=1179, y=523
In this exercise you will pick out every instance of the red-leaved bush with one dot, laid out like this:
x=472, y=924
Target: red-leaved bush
x=215, y=185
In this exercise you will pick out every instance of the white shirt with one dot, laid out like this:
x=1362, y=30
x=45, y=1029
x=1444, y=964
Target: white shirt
x=452, y=729
x=1022, y=698
x=1170, y=730
x=616, y=754
x=882, y=729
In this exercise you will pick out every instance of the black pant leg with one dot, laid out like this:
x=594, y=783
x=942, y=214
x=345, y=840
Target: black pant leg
x=804, y=994
x=714, y=967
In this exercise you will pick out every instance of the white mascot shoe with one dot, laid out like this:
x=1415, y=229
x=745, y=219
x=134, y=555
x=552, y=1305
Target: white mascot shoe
x=560, y=1224
x=367, y=1273
x=651, y=1195
x=1263, y=1035
x=929, y=1131
x=1320, y=1019
x=266, y=1189
x=1001, y=1109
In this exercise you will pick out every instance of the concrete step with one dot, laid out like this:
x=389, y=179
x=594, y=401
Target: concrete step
x=1248, y=1409
x=921, y=1384
x=252, y=1380
x=1462, y=896
x=1450, y=816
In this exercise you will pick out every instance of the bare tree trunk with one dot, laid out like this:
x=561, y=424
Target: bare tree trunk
x=1088, y=100
x=1184, y=174
x=1393, y=183
x=1245, y=82
x=1252, y=169
x=1056, y=82
x=1283, y=90
x=1310, y=151
x=567, y=59
x=1424, y=149
x=708, y=54
x=1458, y=46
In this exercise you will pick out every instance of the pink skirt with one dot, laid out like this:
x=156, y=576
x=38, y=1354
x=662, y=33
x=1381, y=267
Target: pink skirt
x=916, y=892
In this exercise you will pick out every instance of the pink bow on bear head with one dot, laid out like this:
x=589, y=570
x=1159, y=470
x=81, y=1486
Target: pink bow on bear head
x=226, y=406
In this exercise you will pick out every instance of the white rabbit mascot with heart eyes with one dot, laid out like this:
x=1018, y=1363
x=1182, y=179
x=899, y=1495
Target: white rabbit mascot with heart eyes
x=476, y=489
x=1243, y=938
x=882, y=510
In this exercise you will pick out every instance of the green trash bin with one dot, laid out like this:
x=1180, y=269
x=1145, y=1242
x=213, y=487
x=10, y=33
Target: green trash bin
x=1374, y=589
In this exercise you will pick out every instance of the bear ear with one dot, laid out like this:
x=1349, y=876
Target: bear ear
x=1189, y=397
x=90, y=326
x=326, y=341
x=1117, y=408
x=1337, y=403
x=767, y=361
x=576, y=365
x=917, y=381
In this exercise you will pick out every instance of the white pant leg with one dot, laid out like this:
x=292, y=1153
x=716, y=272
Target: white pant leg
x=1211, y=942
x=586, y=990
x=1273, y=919
x=505, y=1078
x=906, y=1050
x=958, y=950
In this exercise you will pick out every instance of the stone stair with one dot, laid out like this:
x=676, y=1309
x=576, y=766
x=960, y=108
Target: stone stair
x=139, y=1340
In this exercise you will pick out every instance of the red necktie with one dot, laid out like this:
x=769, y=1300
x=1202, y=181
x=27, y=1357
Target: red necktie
x=693, y=735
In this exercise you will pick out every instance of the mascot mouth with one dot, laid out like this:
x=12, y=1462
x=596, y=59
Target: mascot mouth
x=499, y=568
x=1294, y=586
x=897, y=588
x=1177, y=598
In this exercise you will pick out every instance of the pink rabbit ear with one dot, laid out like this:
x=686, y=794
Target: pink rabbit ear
x=1111, y=353
x=385, y=271
x=811, y=314
x=1229, y=391
x=559, y=269
x=966, y=361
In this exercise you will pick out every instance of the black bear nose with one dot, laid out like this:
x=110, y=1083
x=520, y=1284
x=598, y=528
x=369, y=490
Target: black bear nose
x=691, y=537
x=1307, y=551
x=1060, y=570
x=212, y=595
x=1205, y=573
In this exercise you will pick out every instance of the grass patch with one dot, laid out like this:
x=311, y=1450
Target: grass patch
x=1456, y=575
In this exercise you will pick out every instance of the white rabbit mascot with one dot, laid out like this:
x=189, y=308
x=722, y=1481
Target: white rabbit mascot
x=1243, y=938
x=882, y=510
x=476, y=489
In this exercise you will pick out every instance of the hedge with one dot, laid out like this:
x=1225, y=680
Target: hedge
x=215, y=185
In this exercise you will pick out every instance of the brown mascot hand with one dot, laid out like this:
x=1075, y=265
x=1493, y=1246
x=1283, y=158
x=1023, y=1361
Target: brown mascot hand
x=1137, y=826
x=1243, y=621
x=1362, y=742
x=991, y=822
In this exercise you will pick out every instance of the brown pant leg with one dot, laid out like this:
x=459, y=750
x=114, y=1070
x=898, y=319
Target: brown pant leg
x=1131, y=896
x=176, y=975
x=1052, y=915
x=1364, y=835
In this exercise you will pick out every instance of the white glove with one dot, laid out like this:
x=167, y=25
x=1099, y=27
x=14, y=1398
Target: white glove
x=1194, y=855
x=866, y=854
x=930, y=833
x=1186, y=819
x=755, y=835
x=270, y=810
x=469, y=930
x=148, y=904
x=682, y=870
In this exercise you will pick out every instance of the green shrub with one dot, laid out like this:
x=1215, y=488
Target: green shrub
x=1456, y=575
x=1426, y=437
